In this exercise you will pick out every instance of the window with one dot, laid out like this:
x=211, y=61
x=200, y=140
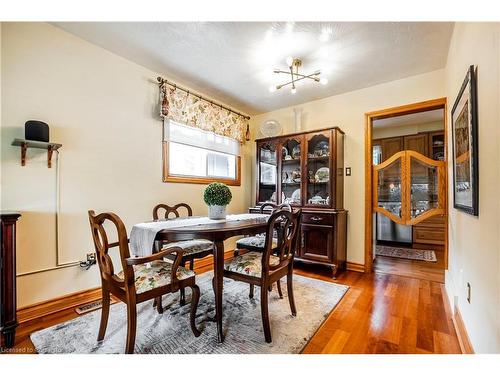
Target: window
x=198, y=156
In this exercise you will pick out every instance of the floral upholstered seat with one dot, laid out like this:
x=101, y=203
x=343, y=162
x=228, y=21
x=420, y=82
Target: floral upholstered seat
x=155, y=274
x=249, y=263
x=254, y=242
x=191, y=246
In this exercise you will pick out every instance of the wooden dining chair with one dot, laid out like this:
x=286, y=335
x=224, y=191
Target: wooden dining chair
x=265, y=268
x=141, y=278
x=193, y=249
x=256, y=243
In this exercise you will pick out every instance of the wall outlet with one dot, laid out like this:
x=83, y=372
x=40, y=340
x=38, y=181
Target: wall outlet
x=90, y=257
x=468, y=292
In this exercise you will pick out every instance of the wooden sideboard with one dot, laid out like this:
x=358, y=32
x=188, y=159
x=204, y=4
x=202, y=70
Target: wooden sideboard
x=8, y=305
x=306, y=170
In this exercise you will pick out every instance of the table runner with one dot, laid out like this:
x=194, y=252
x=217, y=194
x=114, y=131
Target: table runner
x=142, y=235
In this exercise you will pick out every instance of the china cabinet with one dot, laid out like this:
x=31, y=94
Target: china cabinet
x=306, y=170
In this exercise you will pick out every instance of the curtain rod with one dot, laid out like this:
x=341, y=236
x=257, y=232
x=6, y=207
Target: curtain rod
x=163, y=81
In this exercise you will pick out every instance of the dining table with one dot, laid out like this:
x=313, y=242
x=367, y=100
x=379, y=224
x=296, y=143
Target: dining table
x=216, y=231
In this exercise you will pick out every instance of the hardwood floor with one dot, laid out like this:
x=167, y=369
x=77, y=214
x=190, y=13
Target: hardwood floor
x=432, y=271
x=381, y=313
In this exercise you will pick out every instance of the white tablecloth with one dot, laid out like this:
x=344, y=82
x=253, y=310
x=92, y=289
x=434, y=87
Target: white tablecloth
x=143, y=235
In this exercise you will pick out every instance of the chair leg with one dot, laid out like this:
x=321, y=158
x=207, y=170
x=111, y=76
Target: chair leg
x=158, y=305
x=182, y=291
x=131, y=327
x=191, y=264
x=265, y=313
x=236, y=252
x=289, y=287
x=270, y=287
x=278, y=285
x=195, y=297
x=104, y=314
x=251, y=291
x=183, y=296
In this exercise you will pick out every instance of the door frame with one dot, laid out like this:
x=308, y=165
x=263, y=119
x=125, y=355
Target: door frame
x=424, y=106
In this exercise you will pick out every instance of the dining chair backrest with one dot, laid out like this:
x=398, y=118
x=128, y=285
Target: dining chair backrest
x=274, y=207
x=171, y=210
x=286, y=224
x=102, y=246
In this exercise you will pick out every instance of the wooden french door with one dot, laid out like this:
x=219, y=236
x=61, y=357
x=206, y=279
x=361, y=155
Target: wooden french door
x=409, y=187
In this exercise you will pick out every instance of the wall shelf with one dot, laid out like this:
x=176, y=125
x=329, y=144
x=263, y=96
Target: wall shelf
x=25, y=144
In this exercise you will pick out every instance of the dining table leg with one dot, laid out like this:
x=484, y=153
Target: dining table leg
x=218, y=285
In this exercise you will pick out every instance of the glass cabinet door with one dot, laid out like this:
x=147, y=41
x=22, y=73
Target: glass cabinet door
x=267, y=170
x=291, y=170
x=318, y=163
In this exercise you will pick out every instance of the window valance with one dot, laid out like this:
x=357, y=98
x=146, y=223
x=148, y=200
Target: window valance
x=185, y=108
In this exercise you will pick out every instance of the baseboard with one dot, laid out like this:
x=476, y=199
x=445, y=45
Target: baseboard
x=356, y=267
x=463, y=337
x=57, y=304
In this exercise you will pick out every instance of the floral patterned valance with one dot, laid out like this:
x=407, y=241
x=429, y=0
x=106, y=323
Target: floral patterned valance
x=188, y=109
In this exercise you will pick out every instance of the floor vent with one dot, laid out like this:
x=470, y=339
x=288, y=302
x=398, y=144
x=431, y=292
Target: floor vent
x=88, y=307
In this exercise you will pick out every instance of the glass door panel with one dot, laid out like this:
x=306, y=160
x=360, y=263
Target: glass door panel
x=427, y=187
x=318, y=170
x=268, y=167
x=389, y=188
x=291, y=171
x=409, y=187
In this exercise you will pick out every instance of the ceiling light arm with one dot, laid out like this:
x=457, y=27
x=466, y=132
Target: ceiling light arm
x=311, y=76
x=318, y=72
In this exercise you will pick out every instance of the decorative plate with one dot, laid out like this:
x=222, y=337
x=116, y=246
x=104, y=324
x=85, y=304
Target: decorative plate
x=284, y=151
x=296, y=152
x=296, y=196
x=321, y=148
x=270, y=128
x=322, y=174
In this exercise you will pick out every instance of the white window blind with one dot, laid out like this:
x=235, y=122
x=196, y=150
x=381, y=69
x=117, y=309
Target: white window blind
x=188, y=135
x=198, y=153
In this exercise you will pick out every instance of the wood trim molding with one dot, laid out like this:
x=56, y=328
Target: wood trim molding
x=356, y=267
x=463, y=337
x=57, y=304
x=387, y=113
x=197, y=180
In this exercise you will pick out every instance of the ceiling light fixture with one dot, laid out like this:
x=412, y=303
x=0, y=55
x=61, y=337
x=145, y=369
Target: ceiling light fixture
x=294, y=64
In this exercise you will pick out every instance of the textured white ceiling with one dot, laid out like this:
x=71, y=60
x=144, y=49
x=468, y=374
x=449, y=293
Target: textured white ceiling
x=233, y=61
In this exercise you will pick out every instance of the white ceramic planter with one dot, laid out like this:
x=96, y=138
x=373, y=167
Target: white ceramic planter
x=216, y=212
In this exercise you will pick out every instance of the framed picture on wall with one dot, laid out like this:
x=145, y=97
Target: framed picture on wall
x=465, y=146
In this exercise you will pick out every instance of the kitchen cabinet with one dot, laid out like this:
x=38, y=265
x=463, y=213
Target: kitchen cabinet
x=391, y=146
x=418, y=142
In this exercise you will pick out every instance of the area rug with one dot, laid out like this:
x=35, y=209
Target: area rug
x=170, y=332
x=401, y=252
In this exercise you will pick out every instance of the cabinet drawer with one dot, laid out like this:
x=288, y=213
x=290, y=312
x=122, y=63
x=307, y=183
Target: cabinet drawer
x=319, y=218
x=434, y=236
x=434, y=221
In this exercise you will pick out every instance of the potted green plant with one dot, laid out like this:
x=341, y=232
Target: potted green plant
x=217, y=196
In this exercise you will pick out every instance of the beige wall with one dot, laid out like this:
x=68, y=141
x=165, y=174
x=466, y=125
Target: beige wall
x=474, y=245
x=347, y=111
x=397, y=131
x=102, y=108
